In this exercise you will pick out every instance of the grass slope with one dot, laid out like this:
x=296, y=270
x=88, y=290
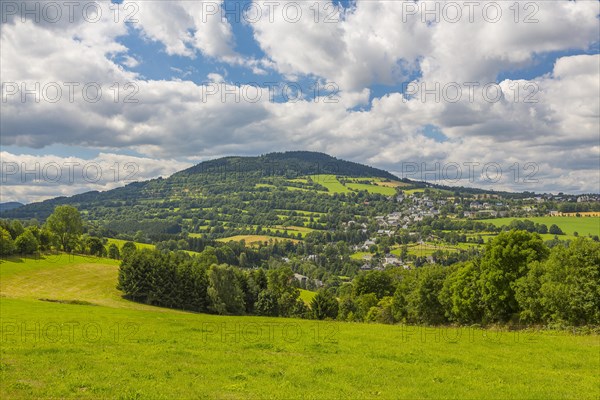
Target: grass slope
x=120, y=242
x=385, y=190
x=53, y=350
x=330, y=182
x=307, y=296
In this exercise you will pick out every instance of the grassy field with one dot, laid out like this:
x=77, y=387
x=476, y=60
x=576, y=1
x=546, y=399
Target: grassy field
x=120, y=243
x=64, y=277
x=307, y=296
x=293, y=230
x=117, y=349
x=569, y=225
x=334, y=186
x=255, y=239
x=413, y=191
x=359, y=255
x=330, y=182
x=385, y=190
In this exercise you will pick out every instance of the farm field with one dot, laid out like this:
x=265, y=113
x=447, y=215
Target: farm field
x=64, y=277
x=385, y=190
x=255, y=239
x=569, y=225
x=330, y=182
x=60, y=350
x=120, y=242
x=377, y=186
x=359, y=255
x=292, y=229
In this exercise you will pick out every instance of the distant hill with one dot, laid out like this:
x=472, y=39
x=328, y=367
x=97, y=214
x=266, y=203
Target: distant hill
x=208, y=184
x=290, y=164
x=11, y=205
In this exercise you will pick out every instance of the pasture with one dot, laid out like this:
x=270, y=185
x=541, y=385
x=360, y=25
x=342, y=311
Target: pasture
x=256, y=239
x=94, y=344
x=569, y=225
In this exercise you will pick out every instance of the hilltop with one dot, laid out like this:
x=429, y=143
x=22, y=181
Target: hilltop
x=291, y=164
x=254, y=186
x=11, y=205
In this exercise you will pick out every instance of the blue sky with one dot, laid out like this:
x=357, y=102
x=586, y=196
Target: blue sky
x=374, y=62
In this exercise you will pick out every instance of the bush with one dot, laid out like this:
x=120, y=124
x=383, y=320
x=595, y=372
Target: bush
x=7, y=245
x=26, y=243
x=324, y=305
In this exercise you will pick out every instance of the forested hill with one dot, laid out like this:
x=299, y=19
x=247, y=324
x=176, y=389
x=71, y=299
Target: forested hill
x=290, y=164
x=275, y=180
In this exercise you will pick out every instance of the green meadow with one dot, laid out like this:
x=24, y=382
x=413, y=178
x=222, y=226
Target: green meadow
x=385, y=190
x=333, y=185
x=569, y=225
x=67, y=333
x=330, y=182
x=120, y=242
x=307, y=296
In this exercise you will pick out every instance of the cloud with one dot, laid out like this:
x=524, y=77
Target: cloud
x=179, y=120
x=185, y=27
x=384, y=42
x=27, y=178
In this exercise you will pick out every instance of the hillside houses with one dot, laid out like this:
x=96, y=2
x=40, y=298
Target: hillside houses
x=366, y=245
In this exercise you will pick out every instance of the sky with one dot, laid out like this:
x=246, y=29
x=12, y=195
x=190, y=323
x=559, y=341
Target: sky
x=501, y=95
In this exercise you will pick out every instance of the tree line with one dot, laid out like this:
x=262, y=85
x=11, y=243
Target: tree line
x=518, y=279
x=198, y=283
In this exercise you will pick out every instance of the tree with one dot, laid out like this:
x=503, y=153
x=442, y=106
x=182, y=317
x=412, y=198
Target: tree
x=423, y=303
x=347, y=309
x=506, y=259
x=15, y=228
x=527, y=293
x=280, y=283
x=95, y=246
x=128, y=249
x=113, y=251
x=224, y=292
x=135, y=274
x=46, y=238
x=66, y=223
x=208, y=256
x=382, y=313
x=461, y=294
x=568, y=285
x=364, y=304
x=243, y=260
x=7, y=245
x=377, y=282
x=324, y=305
x=267, y=304
x=301, y=310
x=26, y=243
x=555, y=230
